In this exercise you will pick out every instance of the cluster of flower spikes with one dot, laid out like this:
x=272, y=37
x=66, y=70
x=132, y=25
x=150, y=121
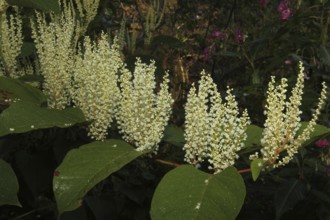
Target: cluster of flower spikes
x=55, y=44
x=213, y=128
x=96, y=92
x=280, y=139
x=142, y=115
x=11, y=40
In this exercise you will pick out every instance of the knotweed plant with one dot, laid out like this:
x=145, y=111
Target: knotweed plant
x=54, y=39
x=280, y=140
x=95, y=81
x=213, y=129
x=142, y=115
x=11, y=41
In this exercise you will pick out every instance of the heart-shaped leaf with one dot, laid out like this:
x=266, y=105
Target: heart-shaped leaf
x=188, y=193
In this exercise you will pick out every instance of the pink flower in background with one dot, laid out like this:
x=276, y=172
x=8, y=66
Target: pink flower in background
x=284, y=10
x=219, y=35
x=263, y=3
x=285, y=14
x=322, y=143
x=239, y=36
x=282, y=6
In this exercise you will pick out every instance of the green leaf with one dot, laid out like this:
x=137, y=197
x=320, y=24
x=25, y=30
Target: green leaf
x=15, y=89
x=188, y=193
x=8, y=185
x=22, y=117
x=174, y=135
x=84, y=167
x=44, y=5
x=256, y=167
x=254, y=135
x=288, y=195
x=27, y=49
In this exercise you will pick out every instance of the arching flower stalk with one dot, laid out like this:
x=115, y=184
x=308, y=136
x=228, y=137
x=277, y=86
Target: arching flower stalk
x=213, y=129
x=142, y=115
x=280, y=140
x=95, y=81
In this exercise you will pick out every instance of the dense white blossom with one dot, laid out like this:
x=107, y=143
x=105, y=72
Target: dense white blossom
x=213, y=129
x=54, y=39
x=11, y=41
x=280, y=140
x=142, y=115
x=95, y=81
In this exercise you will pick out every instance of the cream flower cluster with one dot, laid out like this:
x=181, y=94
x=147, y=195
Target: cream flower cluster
x=213, y=129
x=55, y=44
x=11, y=41
x=142, y=115
x=95, y=81
x=280, y=141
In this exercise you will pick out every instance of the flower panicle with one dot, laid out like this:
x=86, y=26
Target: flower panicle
x=11, y=38
x=280, y=140
x=214, y=131
x=142, y=115
x=95, y=84
x=55, y=41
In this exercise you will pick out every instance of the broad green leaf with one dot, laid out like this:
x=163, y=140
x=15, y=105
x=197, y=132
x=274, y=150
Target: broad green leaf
x=188, y=193
x=256, y=167
x=288, y=195
x=174, y=135
x=22, y=117
x=44, y=5
x=15, y=89
x=8, y=185
x=86, y=166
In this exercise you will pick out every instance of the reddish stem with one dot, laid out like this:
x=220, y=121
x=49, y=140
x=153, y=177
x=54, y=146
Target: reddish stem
x=245, y=170
x=168, y=162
